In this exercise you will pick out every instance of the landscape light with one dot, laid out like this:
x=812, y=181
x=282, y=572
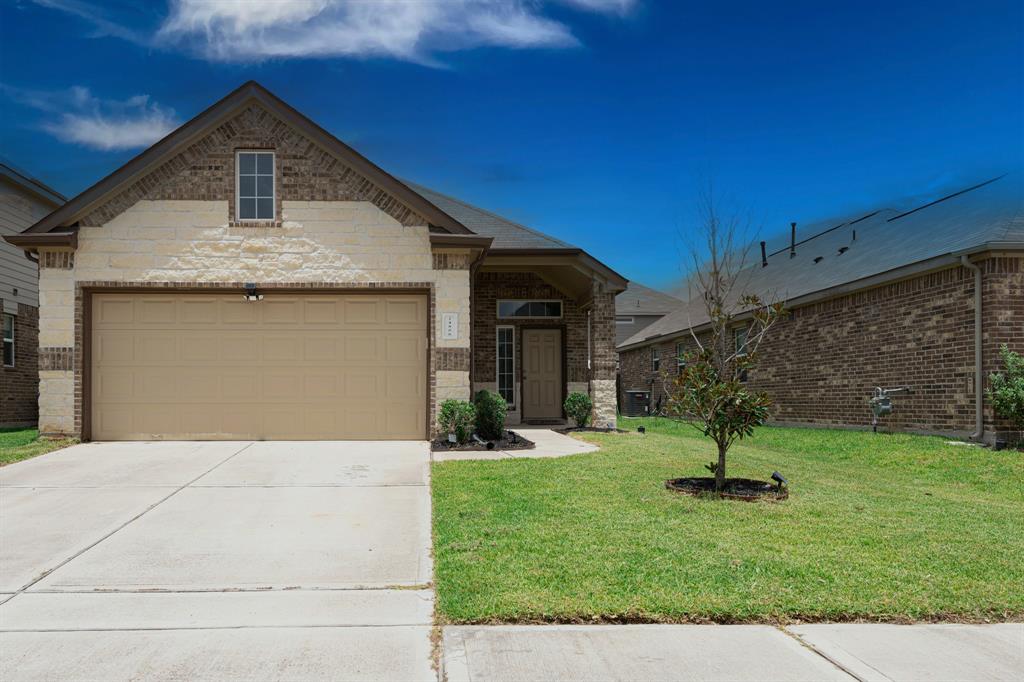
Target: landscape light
x=779, y=478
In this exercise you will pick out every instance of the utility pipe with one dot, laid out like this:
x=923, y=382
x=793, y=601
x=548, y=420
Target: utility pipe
x=979, y=377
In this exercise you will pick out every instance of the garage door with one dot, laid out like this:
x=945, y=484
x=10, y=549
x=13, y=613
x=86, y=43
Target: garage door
x=300, y=367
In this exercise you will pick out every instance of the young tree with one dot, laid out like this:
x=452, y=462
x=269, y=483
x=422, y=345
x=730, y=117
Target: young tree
x=710, y=391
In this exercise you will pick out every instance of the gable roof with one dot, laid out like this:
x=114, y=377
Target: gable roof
x=640, y=300
x=873, y=248
x=178, y=140
x=507, y=234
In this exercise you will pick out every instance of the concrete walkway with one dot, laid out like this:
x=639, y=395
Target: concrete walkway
x=549, y=444
x=733, y=653
x=217, y=561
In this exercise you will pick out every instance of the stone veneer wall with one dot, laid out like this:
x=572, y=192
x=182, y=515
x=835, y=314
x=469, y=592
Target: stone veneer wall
x=338, y=242
x=19, y=385
x=821, y=363
x=598, y=378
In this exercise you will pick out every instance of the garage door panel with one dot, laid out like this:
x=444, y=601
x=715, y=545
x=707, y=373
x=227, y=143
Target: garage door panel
x=158, y=311
x=278, y=348
x=114, y=347
x=208, y=366
x=321, y=311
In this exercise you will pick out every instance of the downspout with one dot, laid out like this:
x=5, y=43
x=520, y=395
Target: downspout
x=979, y=377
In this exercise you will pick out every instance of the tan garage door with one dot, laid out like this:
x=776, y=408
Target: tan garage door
x=212, y=367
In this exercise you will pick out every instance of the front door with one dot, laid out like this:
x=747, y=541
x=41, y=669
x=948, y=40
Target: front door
x=542, y=374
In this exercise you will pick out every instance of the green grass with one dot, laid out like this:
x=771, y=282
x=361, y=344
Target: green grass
x=877, y=527
x=19, y=444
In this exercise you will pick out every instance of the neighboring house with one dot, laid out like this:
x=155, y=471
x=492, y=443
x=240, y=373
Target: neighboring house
x=638, y=307
x=884, y=299
x=251, y=276
x=23, y=201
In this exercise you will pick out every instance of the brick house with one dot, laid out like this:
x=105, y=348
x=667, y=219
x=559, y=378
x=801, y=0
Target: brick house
x=638, y=307
x=888, y=298
x=251, y=276
x=23, y=201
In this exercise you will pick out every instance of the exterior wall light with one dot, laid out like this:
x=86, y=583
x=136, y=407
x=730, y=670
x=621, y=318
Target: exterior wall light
x=250, y=293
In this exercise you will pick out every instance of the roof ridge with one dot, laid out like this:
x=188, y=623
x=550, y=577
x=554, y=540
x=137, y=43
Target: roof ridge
x=948, y=196
x=492, y=214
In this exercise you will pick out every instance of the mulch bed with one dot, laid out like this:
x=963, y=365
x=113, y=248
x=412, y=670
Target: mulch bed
x=443, y=445
x=746, y=489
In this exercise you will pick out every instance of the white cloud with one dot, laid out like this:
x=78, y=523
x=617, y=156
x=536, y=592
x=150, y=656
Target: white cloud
x=413, y=30
x=79, y=117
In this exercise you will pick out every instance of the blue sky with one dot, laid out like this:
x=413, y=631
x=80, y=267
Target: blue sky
x=594, y=120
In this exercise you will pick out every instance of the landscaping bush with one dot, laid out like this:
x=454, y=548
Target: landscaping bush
x=457, y=416
x=491, y=409
x=1007, y=392
x=578, y=406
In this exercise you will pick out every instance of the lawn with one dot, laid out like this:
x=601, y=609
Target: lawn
x=877, y=527
x=18, y=444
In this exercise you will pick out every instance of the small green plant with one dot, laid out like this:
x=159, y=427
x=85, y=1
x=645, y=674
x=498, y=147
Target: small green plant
x=1007, y=387
x=578, y=406
x=491, y=409
x=457, y=417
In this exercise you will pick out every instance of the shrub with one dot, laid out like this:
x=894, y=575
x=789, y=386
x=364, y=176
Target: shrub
x=491, y=409
x=1007, y=387
x=578, y=406
x=457, y=416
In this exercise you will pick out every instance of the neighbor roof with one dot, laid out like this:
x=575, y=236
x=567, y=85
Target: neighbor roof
x=640, y=300
x=874, y=247
x=506, y=233
x=21, y=178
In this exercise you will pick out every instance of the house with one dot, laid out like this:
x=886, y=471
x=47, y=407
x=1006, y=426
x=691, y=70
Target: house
x=921, y=296
x=251, y=276
x=638, y=307
x=23, y=201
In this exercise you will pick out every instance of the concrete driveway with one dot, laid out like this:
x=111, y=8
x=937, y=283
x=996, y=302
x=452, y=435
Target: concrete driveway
x=232, y=560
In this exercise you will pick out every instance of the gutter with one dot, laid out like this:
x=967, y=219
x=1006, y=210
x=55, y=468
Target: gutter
x=979, y=376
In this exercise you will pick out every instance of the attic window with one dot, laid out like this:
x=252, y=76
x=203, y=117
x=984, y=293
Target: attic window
x=255, y=186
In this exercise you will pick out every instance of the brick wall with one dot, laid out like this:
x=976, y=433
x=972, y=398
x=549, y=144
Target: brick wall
x=821, y=363
x=19, y=385
x=206, y=172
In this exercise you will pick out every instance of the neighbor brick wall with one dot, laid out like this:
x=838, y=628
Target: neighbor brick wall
x=1003, y=319
x=821, y=363
x=19, y=385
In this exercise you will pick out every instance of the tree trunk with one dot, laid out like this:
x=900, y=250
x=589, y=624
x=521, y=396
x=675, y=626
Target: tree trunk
x=720, y=469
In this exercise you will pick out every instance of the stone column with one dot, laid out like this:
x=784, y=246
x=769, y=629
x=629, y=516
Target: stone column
x=57, y=344
x=602, y=373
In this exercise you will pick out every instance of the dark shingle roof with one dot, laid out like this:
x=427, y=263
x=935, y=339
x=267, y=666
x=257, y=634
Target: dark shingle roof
x=887, y=240
x=506, y=233
x=640, y=300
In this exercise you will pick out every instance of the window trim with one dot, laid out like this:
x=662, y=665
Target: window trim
x=655, y=359
x=5, y=339
x=497, y=362
x=238, y=186
x=741, y=351
x=680, y=359
x=561, y=308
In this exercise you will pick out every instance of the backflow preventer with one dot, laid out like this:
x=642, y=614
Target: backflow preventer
x=881, y=402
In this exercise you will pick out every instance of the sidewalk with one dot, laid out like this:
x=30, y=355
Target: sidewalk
x=865, y=652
